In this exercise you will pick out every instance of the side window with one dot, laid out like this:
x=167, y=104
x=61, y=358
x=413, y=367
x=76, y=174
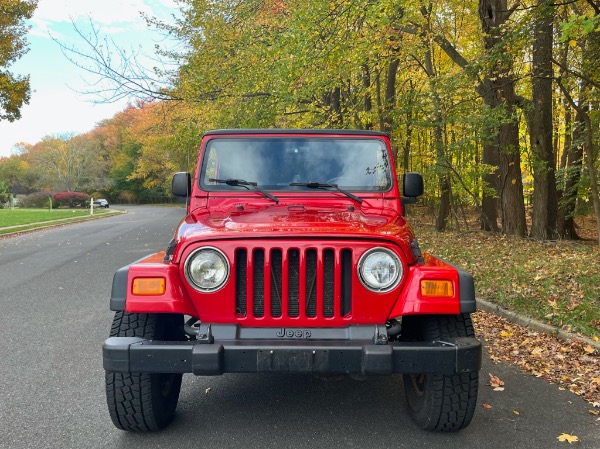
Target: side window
x=382, y=171
x=211, y=170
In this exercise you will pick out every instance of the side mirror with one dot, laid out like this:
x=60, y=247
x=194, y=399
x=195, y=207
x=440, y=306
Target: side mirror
x=412, y=185
x=181, y=184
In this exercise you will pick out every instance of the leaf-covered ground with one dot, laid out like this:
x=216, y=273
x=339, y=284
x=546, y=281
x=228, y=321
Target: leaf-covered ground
x=554, y=282
x=571, y=364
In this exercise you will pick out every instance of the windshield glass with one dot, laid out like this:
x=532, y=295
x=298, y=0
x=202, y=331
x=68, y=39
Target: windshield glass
x=273, y=163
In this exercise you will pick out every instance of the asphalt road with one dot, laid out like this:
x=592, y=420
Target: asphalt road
x=54, y=291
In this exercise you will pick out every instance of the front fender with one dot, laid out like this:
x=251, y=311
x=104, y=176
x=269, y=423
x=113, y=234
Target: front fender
x=174, y=300
x=411, y=301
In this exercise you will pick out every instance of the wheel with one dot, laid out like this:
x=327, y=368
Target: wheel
x=144, y=402
x=440, y=402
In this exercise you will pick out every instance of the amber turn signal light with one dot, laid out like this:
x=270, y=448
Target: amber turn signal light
x=437, y=288
x=149, y=286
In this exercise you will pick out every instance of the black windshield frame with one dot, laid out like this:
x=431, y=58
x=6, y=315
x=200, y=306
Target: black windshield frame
x=377, y=178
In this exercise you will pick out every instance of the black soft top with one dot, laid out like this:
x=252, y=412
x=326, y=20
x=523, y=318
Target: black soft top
x=349, y=132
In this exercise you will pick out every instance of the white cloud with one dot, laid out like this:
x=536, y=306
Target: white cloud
x=104, y=12
x=120, y=14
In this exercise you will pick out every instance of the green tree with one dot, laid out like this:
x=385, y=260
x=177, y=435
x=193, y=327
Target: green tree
x=69, y=163
x=14, y=89
x=17, y=173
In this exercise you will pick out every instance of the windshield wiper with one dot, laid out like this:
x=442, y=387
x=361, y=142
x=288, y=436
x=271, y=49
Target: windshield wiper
x=324, y=185
x=244, y=183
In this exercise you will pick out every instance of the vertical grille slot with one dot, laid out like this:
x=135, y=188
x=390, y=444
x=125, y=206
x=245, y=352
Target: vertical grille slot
x=294, y=283
x=346, y=290
x=240, y=281
x=328, y=282
x=311, y=283
x=276, y=287
x=258, y=282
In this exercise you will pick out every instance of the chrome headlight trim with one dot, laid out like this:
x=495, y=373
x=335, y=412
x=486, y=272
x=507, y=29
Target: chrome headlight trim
x=396, y=277
x=193, y=283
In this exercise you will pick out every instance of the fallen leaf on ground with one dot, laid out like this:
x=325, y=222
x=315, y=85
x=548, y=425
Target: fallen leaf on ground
x=537, y=351
x=516, y=412
x=495, y=382
x=486, y=406
x=568, y=438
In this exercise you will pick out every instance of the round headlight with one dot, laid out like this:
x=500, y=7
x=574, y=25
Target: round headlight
x=207, y=269
x=380, y=270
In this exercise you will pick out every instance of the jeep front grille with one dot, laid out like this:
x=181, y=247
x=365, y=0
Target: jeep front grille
x=293, y=282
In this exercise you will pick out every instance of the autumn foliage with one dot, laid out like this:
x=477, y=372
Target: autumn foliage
x=70, y=199
x=14, y=88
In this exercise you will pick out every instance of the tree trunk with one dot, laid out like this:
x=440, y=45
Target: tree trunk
x=368, y=101
x=337, y=119
x=390, y=96
x=409, y=126
x=387, y=102
x=540, y=127
x=511, y=184
x=489, y=200
x=573, y=164
x=500, y=92
x=443, y=212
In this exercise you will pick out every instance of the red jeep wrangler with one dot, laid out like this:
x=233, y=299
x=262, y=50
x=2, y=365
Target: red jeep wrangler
x=294, y=257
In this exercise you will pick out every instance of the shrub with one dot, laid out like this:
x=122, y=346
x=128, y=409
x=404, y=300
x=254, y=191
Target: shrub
x=4, y=195
x=37, y=199
x=70, y=199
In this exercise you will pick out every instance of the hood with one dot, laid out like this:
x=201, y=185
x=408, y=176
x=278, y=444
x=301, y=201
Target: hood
x=294, y=221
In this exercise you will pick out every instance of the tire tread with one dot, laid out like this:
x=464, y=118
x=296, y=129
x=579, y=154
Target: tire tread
x=129, y=395
x=453, y=397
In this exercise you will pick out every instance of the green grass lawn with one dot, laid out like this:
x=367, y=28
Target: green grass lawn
x=26, y=216
x=22, y=219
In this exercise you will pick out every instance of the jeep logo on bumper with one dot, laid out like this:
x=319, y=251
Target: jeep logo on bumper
x=293, y=333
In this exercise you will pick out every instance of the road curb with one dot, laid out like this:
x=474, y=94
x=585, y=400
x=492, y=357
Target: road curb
x=530, y=323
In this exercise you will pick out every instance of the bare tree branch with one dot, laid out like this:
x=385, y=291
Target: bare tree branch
x=119, y=74
x=576, y=73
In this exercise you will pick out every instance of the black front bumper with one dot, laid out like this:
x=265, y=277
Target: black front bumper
x=242, y=355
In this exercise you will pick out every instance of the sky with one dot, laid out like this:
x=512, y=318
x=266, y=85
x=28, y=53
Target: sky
x=58, y=104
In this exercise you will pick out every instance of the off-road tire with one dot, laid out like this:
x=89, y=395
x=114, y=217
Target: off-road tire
x=440, y=402
x=144, y=402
